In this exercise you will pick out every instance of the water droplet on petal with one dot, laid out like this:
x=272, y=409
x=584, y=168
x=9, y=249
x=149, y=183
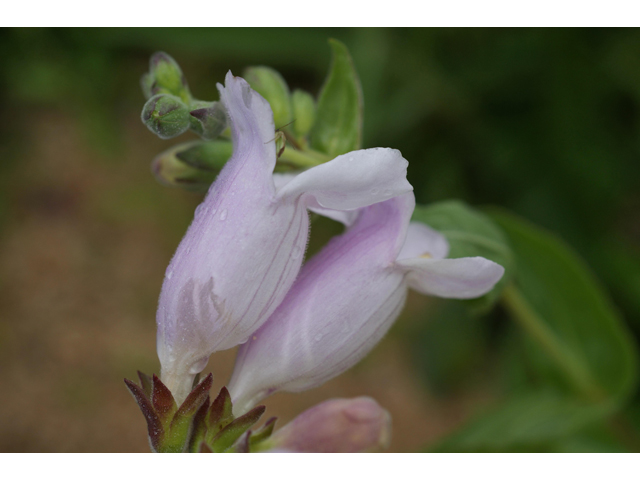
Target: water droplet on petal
x=295, y=253
x=387, y=193
x=318, y=337
x=223, y=215
x=169, y=274
x=374, y=191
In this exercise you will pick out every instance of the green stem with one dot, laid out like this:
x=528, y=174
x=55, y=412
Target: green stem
x=621, y=427
x=298, y=158
x=320, y=157
x=535, y=326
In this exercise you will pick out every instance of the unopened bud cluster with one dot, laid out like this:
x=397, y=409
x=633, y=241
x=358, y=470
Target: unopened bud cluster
x=170, y=109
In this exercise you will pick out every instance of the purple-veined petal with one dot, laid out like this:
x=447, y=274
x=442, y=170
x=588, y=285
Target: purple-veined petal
x=343, y=302
x=424, y=241
x=353, y=180
x=240, y=255
x=336, y=426
x=452, y=277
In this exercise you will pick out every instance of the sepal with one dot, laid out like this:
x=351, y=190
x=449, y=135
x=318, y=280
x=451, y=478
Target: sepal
x=221, y=412
x=146, y=381
x=168, y=426
x=199, y=427
x=154, y=426
x=252, y=441
x=162, y=401
x=242, y=445
x=185, y=417
x=263, y=433
x=217, y=430
x=232, y=432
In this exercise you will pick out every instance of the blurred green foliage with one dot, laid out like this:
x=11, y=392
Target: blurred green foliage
x=589, y=352
x=544, y=123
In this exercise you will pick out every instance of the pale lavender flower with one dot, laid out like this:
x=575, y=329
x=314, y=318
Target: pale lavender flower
x=245, y=246
x=346, y=298
x=339, y=425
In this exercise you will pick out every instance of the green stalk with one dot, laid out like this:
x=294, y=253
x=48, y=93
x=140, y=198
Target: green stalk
x=299, y=158
x=319, y=157
x=535, y=326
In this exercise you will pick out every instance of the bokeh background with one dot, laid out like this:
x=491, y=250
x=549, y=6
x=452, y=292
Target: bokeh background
x=544, y=123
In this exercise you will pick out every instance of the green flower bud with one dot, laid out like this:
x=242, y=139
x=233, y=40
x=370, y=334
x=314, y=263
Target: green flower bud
x=304, y=112
x=270, y=84
x=165, y=76
x=208, y=119
x=166, y=116
x=192, y=165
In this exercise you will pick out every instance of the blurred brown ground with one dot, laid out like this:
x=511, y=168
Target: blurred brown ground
x=82, y=255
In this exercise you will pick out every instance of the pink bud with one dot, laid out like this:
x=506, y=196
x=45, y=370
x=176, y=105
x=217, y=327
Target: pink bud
x=336, y=426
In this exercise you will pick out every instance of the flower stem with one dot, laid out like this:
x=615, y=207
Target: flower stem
x=528, y=319
x=301, y=159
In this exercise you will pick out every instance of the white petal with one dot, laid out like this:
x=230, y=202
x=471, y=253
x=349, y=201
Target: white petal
x=281, y=179
x=452, y=277
x=346, y=217
x=352, y=180
x=424, y=241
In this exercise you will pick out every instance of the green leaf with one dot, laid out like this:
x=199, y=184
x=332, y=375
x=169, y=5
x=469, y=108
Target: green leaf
x=532, y=422
x=470, y=233
x=581, y=343
x=338, y=125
